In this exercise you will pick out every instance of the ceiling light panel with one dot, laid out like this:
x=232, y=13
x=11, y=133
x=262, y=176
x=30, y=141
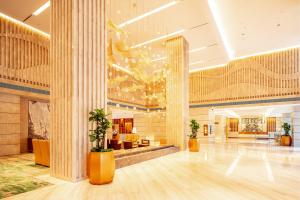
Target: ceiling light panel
x=156, y=10
x=42, y=8
x=220, y=26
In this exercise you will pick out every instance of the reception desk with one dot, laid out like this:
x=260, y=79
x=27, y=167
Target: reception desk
x=248, y=135
x=254, y=133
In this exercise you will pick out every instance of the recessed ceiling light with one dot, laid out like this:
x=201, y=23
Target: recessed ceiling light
x=158, y=38
x=197, y=62
x=42, y=8
x=190, y=51
x=197, y=49
x=121, y=68
x=172, y=3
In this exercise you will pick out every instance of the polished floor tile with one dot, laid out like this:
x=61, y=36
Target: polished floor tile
x=234, y=169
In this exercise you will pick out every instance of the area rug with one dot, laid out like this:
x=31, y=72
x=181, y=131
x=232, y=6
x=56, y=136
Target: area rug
x=19, y=174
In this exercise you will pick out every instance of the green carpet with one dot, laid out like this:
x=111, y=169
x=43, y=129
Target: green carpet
x=18, y=175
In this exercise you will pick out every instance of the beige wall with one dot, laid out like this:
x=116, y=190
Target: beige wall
x=150, y=125
x=9, y=124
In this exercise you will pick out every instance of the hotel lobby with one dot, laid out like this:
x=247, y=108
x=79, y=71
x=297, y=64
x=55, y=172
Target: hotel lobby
x=149, y=99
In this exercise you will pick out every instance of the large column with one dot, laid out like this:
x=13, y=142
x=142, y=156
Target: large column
x=78, y=81
x=296, y=126
x=177, y=108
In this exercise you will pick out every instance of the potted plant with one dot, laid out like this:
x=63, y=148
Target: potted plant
x=101, y=161
x=193, y=142
x=286, y=139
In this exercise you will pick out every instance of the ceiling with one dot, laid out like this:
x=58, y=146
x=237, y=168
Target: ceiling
x=247, y=27
x=21, y=9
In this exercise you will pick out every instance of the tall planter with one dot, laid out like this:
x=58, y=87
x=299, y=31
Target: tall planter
x=193, y=145
x=101, y=161
x=101, y=167
x=193, y=141
x=286, y=140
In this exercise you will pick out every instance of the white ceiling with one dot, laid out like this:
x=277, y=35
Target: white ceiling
x=249, y=26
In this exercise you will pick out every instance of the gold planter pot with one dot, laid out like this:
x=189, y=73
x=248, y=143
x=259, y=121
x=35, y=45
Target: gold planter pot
x=193, y=145
x=286, y=140
x=101, y=167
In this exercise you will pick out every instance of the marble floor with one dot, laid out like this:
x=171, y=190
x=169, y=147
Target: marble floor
x=236, y=169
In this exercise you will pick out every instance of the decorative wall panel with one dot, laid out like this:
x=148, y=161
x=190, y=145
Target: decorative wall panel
x=38, y=120
x=78, y=81
x=264, y=76
x=24, y=55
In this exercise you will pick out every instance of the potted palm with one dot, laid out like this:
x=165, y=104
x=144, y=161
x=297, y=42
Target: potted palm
x=286, y=139
x=101, y=161
x=193, y=142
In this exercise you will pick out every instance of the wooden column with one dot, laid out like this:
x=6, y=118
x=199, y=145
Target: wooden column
x=177, y=84
x=78, y=81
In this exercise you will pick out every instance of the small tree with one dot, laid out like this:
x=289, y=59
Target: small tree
x=286, y=127
x=98, y=116
x=194, y=125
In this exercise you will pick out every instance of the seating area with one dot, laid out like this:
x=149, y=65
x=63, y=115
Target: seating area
x=127, y=141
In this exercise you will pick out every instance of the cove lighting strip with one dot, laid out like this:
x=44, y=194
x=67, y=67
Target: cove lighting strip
x=42, y=8
x=197, y=62
x=23, y=24
x=121, y=68
x=213, y=7
x=158, y=38
x=156, y=10
x=190, y=51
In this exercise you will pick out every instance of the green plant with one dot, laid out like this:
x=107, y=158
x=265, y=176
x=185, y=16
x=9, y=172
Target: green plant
x=97, y=134
x=287, y=128
x=194, y=125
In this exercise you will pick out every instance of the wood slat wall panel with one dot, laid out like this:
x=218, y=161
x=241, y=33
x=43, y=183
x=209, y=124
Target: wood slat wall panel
x=23, y=55
x=264, y=76
x=78, y=81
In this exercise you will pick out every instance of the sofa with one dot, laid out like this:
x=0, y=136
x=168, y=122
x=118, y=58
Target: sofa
x=41, y=150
